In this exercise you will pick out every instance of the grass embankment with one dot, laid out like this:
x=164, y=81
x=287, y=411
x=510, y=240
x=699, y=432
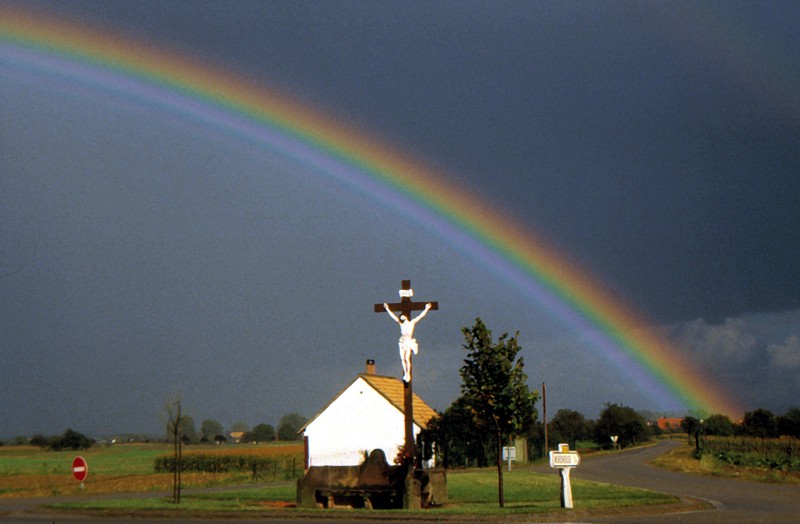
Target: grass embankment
x=682, y=459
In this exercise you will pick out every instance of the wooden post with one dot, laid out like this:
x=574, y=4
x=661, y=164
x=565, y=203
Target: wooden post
x=405, y=307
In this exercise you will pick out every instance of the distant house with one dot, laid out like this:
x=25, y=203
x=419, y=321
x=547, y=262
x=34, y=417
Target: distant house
x=237, y=436
x=366, y=415
x=669, y=424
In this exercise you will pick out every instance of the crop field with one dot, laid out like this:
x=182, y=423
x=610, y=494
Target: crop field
x=27, y=471
x=770, y=453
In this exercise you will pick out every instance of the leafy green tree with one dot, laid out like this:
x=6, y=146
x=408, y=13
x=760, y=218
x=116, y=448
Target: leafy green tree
x=289, y=426
x=719, y=425
x=260, y=433
x=40, y=441
x=240, y=427
x=690, y=425
x=210, y=428
x=458, y=441
x=495, y=389
x=71, y=440
x=569, y=426
x=188, y=431
x=760, y=423
x=789, y=423
x=622, y=421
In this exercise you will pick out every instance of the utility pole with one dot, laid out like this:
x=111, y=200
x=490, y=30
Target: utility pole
x=544, y=417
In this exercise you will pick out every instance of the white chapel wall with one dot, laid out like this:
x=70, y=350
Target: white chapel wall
x=357, y=422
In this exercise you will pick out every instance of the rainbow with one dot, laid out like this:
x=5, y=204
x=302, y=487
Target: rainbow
x=241, y=107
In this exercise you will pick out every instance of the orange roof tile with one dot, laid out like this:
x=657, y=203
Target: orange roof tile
x=392, y=389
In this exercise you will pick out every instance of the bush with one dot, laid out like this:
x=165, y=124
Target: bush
x=71, y=440
x=274, y=466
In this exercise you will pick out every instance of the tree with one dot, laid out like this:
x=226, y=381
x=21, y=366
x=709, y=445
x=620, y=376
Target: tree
x=719, y=425
x=495, y=388
x=240, y=427
x=691, y=426
x=71, y=440
x=457, y=440
x=40, y=441
x=289, y=426
x=570, y=426
x=210, y=428
x=621, y=421
x=260, y=433
x=760, y=423
x=188, y=431
x=789, y=423
x=175, y=424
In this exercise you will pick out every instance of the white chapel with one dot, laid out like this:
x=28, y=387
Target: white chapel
x=366, y=415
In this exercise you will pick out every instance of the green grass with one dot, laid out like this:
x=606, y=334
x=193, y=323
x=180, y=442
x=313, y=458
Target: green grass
x=470, y=492
x=541, y=492
x=127, y=459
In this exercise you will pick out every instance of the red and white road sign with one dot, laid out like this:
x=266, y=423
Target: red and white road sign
x=80, y=469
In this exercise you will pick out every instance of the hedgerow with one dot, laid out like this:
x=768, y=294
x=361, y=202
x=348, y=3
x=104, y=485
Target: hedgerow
x=285, y=466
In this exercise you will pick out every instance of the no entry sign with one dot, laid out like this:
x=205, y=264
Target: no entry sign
x=80, y=469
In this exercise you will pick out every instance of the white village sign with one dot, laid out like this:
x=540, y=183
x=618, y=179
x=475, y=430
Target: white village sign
x=564, y=459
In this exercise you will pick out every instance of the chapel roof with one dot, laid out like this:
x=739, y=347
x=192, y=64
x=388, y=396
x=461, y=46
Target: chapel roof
x=391, y=389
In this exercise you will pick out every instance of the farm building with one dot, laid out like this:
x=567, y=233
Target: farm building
x=366, y=415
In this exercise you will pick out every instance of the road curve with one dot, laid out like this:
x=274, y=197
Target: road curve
x=731, y=500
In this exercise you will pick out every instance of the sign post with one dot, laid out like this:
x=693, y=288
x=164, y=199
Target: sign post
x=564, y=459
x=509, y=454
x=80, y=469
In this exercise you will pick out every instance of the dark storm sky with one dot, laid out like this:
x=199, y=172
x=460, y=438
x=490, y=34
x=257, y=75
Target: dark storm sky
x=654, y=143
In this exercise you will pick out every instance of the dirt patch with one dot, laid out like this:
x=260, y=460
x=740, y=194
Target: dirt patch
x=23, y=486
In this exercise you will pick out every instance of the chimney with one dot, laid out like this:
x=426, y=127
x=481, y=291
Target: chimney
x=370, y=367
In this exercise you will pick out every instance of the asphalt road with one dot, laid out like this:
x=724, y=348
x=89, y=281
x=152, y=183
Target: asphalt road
x=730, y=500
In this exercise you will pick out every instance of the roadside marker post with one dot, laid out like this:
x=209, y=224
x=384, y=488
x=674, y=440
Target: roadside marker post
x=565, y=459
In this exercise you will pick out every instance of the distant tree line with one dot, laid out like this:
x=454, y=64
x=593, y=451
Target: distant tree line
x=71, y=439
x=213, y=432
x=466, y=445
x=758, y=423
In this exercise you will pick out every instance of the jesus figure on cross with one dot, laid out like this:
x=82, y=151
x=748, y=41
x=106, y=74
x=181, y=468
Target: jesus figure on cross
x=407, y=343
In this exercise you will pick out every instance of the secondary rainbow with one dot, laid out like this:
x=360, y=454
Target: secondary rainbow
x=507, y=247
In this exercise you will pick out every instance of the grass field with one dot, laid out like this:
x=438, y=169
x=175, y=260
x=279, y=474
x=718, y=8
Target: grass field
x=471, y=492
x=31, y=472
x=27, y=471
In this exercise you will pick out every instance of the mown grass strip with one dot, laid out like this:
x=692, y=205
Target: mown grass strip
x=471, y=492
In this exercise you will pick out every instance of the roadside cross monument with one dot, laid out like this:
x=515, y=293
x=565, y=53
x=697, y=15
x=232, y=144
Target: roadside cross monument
x=407, y=345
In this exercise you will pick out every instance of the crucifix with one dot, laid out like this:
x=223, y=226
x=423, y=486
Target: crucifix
x=407, y=344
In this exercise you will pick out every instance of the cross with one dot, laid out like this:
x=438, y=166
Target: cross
x=405, y=307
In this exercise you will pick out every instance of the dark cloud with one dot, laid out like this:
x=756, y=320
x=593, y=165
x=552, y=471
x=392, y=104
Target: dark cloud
x=655, y=145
